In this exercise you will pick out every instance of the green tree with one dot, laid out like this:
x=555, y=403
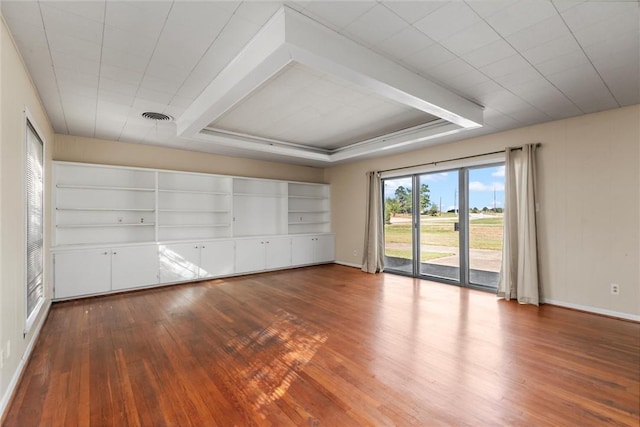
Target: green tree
x=425, y=198
x=404, y=196
x=404, y=199
x=391, y=208
x=433, y=210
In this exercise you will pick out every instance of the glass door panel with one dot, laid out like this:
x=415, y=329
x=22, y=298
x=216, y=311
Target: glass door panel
x=440, y=225
x=486, y=202
x=398, y=224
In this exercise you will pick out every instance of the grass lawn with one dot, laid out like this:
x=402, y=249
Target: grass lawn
x=484, y=233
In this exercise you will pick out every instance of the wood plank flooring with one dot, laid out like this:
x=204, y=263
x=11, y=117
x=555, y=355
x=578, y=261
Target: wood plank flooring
x=326, y=345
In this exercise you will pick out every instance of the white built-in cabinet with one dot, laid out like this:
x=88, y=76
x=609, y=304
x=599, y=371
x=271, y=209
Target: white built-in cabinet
x=119, y=228
x=312, y=249
x=181, y=262
x=134, y=266
x=82, y=273
x=267, y=253
x=102, y=270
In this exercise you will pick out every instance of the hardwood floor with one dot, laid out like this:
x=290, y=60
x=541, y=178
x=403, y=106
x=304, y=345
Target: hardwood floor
x=326, y=345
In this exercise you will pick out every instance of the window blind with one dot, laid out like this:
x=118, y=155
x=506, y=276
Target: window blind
x=34, y=183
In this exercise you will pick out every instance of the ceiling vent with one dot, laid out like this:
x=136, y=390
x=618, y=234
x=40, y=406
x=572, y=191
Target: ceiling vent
x=156, y=116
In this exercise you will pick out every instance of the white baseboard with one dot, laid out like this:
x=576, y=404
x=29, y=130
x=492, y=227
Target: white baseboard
x=595, y=310
x=348, y=264
x=23, y=363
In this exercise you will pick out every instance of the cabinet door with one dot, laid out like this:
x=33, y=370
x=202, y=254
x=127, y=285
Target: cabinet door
x=135, y=266
x=216, y=258
x=250, y=255
x=278, y=252
x=302, y=250
x=325, y=248
x=82, y=273
x=179, y=262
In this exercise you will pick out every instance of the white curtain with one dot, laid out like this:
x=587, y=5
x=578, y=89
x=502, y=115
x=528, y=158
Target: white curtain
x=519, y=273
x=373, y=253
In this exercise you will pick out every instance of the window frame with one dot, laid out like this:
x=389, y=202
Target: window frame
x=30, y=126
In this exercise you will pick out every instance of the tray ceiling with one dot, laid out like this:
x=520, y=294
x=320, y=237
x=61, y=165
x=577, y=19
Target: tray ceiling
x=317, y=110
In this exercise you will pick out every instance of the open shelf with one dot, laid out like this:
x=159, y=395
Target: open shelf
x=195, y=210
x=194, y=225
x=103, y=187
x=104, y=225
x=308, y=197
x=308, y=208
x=100, y=204
x=194, y=192
x=107, y=209
x=260, y=195
x=308, y=222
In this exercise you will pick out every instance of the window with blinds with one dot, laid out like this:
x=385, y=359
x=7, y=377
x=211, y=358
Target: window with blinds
x=34, y=183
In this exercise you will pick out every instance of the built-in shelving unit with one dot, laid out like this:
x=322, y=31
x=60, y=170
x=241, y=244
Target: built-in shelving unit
x=259, y=207
x=308, y=208
x=119, y=228
x=96, y=204
x=193, y=206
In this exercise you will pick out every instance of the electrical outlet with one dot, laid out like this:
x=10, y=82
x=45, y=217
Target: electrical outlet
x=615, y=289
x=1, y=359
x=355, y=252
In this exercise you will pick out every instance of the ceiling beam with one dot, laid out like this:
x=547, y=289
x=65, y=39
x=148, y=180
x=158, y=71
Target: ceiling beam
x=289, y=37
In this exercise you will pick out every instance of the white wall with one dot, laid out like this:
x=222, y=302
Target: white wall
x=589, y=175
x=16, y=92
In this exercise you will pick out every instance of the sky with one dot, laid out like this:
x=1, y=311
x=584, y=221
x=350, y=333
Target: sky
x=444, y=187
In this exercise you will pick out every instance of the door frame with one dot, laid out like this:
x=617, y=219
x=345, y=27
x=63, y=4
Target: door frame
x=463, y=219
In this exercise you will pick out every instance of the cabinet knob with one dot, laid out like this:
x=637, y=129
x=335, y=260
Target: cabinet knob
x=115, y=253
x=267, y=242
x=106, y=253
x=202, y=247
x=195, y=247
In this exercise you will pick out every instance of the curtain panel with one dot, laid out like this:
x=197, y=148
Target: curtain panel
x=519, y=272
x=373, y=253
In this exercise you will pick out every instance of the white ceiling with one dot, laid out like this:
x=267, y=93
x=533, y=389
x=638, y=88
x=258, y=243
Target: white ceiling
x=98, y=65
x=305, y=106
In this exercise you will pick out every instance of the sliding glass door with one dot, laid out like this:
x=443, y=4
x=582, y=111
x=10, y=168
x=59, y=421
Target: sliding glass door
x=486, y=224
x=398, y=224
x=446, y=225
x=440, y=225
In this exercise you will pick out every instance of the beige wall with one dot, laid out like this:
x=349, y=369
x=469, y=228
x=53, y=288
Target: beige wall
x=89, y=150
x=16, y=92
x=589, y=175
